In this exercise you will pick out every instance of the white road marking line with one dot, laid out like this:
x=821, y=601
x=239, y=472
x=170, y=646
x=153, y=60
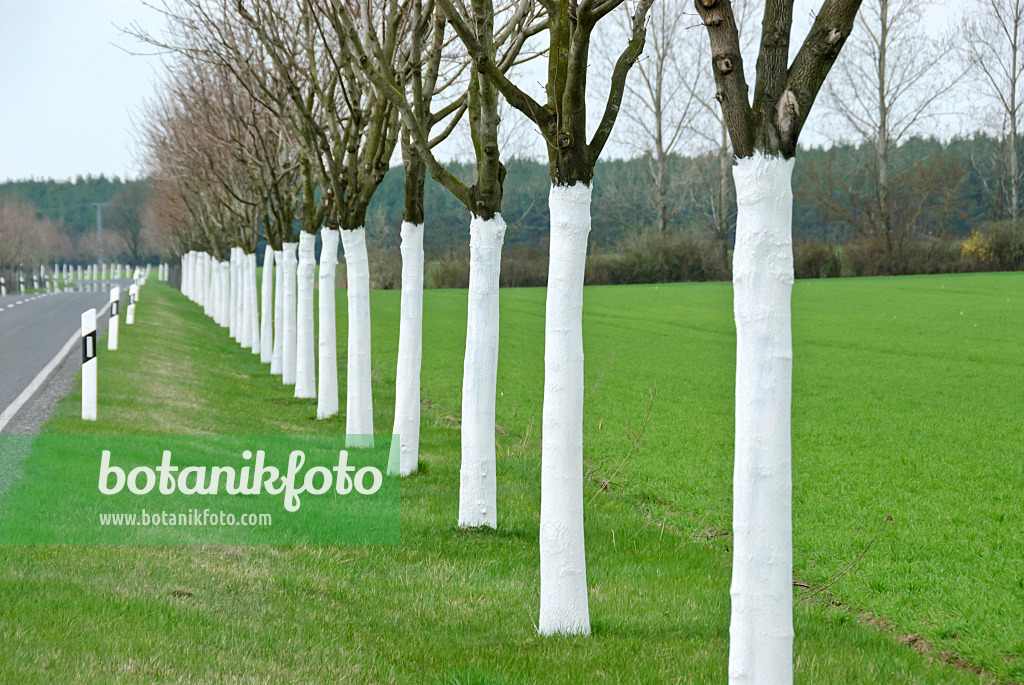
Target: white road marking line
x=26, y=394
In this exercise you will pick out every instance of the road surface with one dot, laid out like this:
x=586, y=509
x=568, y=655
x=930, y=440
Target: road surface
x=33, y=330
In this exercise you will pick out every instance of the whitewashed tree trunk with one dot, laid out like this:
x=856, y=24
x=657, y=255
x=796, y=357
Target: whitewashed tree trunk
x=245, y=285
x=327, y=390
x=564, y=608
x=194, y=277
x=186, y=275
x=211, y=278
x=478, y=492
x=761, y=629
x=288, y=338
x=359, y=399
x=277, y=358
x=206, y=272
x=254, y=304
x=234, y=311
x=225, y=294
x=197, y=286
x=215, y=299
x=305, y=358
x=267, y=308
x=410, y=350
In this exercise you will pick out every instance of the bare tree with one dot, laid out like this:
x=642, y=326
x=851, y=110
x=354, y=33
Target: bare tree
x=500, y=36
x=572, y=156
x=993, y=45
x=419, y=84
x=764, y=137
x=892, y=78
x=124, y=215
x=348, y=133
x=25, y=239
x=661, y=107
x=716, y=135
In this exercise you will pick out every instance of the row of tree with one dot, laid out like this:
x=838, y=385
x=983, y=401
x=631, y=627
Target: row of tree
x=277, y=121
x=279, y=117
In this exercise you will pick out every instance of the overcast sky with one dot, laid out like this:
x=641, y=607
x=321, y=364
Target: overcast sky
x=67, y=91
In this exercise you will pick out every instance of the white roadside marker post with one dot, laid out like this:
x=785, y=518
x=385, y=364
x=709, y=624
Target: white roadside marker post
x=3, y=286
x=89, y=365
x=133, y=295
x=21, y=282
x=115, y=306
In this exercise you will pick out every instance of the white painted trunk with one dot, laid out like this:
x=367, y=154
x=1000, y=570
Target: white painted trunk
x=254, y=304
x=478, y=492
x=410, y=350
x=288, y=336
x=233, y=286
x=564, y=607
x=305, y=358
x=186, y=275
x=225, y=294
x=267, y=308
x=761, y=628
x=205, y=280
x=213, y=303
x=359, y=400
x=206, y=276
x=213, y=291
x=246, y=289
x=210, y=285
x=327, y=391
x=235, y=312
x=277, y=357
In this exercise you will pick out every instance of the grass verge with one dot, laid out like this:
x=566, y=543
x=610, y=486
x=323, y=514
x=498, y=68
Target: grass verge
x=451, y=606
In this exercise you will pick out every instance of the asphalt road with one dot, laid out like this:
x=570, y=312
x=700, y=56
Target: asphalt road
x=33, y=329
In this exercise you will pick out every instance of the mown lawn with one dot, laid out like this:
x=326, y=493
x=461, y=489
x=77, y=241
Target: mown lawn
x=904, y=407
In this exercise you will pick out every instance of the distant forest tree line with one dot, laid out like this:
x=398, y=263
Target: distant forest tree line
x=46, y=221
x=951, y=213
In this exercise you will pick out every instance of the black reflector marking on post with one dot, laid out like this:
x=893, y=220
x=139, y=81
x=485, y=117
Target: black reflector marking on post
x=88, y=347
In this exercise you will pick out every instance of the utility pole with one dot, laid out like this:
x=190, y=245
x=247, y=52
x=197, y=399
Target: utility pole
x=99, y=225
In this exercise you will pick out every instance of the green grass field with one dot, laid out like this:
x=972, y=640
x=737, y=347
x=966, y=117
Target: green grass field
x=906, y=405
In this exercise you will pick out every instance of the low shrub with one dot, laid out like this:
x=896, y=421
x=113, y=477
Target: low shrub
x=524, y=266
x=452, y=272
x=996, y=246
x=815, y=259
x=385, y=269
x=660, y=258
x=922, y=256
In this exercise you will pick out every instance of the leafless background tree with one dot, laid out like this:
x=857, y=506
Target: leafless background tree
x=993, y=47
x=893, y=77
